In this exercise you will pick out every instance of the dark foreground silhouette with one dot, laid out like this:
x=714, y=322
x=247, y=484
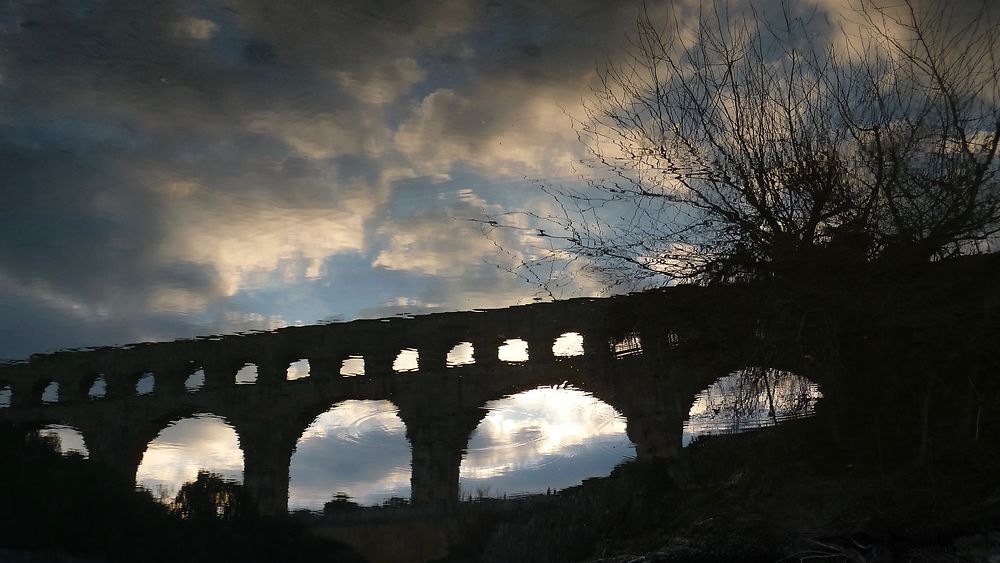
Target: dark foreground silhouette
x=899, y=463
x=55, y=506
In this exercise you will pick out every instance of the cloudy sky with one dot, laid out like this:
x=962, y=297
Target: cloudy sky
x=181, y=167
x=174, y=168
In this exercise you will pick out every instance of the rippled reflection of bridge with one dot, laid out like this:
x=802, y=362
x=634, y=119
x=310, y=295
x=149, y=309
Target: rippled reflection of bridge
x=637, y=357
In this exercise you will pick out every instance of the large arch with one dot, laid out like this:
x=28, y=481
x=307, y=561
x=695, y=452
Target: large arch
x=546, y=438
x=186, y=444
x=357, y=447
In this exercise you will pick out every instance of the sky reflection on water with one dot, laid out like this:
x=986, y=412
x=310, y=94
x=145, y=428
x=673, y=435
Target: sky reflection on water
x=749, y=399
x=203, y=441
x=547, y=438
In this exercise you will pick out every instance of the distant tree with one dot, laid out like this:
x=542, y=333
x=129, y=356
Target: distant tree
x=744, y=146
x=212, y=497
x=341, y=502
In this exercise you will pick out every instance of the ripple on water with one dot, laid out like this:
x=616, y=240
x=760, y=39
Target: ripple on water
x=548, y=438
x=749, y=399
x=358, y=448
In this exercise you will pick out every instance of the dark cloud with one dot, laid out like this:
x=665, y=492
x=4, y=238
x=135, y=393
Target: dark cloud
x=163, y=158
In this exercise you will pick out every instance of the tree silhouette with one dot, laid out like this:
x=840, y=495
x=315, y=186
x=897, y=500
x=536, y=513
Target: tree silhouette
x=212, y=497
x=744, y=146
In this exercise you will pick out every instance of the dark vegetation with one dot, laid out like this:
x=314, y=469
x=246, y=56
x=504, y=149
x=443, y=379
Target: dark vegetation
x=900, y=462
x=56, y=506
x=736, y=142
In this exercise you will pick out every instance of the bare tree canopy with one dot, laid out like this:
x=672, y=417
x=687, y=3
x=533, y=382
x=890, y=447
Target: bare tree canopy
x=741, y=146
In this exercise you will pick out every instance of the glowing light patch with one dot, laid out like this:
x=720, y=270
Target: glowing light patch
x=247, y=375
x=752, y=398
x=407, y=360
x=70, y=439
x=546, y=438
x=203, y=441
x=352, y=366
x=298, y=370
x=514, y=350
x=462, y=354
x=356, y=447
x=568, y=345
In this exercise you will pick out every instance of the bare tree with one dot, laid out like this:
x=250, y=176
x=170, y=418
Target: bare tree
x=742, y=146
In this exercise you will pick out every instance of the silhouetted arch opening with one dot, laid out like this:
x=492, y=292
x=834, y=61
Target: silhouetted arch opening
x=544, y=439
x=200, y=441
x=407, y=360
x=98, y=389
x=514, y=350
x=146, y=384
x=194, y=382
x=67, y=438
x=6, y=395
x=568, y=345
x=247, y=375
x=50, y=393
x=462, y=354
x=748, y=399
x=352, y=366
x=628, y=345
x=357, y=449
x=297, y=370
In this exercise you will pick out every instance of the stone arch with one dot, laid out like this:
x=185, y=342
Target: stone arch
x=156, y=427
x=554, y=435
x=6, y=395
x=340, y=446
x=42, y=424
x=750, y=398
x=51, y=392
x=87, y=386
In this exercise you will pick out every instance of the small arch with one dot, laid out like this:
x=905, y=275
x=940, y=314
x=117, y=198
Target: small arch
x=98, y=388
x=352, y=366
x=146, y=384
x=547, y=438
x=67, y=438
x=629, y=345
x=50, y=393
x=357, y=449
x=568, y=344
x=462, y=354
x=194, y=382
x=183, y=446
x=407, y=360
x=6, y=395
x=673, y=339
x=247, y=375
x=513, y=350
x=298, y=370
x=747, y=399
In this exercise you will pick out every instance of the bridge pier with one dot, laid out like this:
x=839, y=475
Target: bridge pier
x=220, y=374
x=267, y=456
x=438, y=434
x=272, y=371
x=109, y=444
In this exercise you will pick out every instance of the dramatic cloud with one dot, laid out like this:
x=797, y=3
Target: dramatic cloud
x=544, y=438
x=174, y=168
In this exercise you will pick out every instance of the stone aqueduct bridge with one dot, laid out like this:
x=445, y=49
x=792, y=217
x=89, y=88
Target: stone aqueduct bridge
x=440, y=405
